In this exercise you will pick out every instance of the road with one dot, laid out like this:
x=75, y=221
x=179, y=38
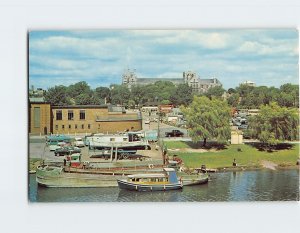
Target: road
x=163, y=128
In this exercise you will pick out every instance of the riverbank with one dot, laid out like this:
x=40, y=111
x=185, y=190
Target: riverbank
x=246, y=156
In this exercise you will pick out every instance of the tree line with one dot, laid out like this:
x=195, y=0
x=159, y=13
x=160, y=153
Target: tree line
x=207, y=114
x=209, y=119
x=162, y=92
x=165, y=92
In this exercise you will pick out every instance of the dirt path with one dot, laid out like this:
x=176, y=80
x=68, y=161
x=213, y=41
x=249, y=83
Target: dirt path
x=269, y=164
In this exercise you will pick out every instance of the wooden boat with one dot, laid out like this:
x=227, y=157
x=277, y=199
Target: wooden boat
x=197, y=179
x=59, y=176
x=52, y=176
x=167, y=180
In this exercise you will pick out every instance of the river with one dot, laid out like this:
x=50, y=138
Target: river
x=262, y=185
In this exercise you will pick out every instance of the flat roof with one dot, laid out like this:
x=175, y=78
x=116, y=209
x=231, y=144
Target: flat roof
x=78, y=106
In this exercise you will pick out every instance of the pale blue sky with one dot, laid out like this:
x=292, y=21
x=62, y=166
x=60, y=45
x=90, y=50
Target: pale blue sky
x=99, y=57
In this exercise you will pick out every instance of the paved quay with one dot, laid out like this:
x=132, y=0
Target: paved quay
x=38, y=149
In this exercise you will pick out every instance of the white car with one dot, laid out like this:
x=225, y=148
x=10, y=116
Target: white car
x=59, y=145
x=79, y=142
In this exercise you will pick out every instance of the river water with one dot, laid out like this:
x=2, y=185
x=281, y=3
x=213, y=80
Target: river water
x=262, y=185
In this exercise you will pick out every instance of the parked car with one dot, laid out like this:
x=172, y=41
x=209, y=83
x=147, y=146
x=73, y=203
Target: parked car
x=67, y=150
x=236, y=123
x=147, y=121
x=79, y=142
x=243, y=127
x=58, y=146
x=174, y=133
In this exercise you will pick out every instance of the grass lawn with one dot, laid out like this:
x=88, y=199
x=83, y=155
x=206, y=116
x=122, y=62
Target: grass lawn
x=248, y=156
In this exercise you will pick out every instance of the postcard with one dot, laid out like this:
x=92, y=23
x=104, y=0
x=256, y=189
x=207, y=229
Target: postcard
x=202, y=115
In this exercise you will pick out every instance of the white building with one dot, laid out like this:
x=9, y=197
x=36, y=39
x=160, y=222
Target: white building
x=249, y=83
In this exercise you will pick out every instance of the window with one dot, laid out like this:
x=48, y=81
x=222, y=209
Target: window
x=69, y=126
x=63, y=126
x=37, y=117
x=82, y=126
x=98, y=126
x=58, y=115
x=70, y=115
x=75, y=126
x=56, y=127
x=89, y=126
x=82, y=115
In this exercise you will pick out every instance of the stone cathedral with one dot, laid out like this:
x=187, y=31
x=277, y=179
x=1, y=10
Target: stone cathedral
x=198, y=84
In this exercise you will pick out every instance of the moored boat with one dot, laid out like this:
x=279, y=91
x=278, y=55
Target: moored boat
x=167, y=180
x=52, y=176
x=196, y=179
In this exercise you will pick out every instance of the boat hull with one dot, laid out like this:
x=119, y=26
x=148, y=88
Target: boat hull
x=148, y=187
x=59, y=178
x=189, y=180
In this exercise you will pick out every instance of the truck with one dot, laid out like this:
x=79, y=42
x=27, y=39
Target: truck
x=174, y=133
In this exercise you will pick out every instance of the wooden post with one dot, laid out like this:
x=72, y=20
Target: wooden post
x=116, y=154
x=111, y=153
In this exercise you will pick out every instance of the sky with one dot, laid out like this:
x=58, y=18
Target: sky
x=268, y=57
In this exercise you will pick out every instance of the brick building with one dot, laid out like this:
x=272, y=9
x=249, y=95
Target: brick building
x=40, y=121
x=45, y=119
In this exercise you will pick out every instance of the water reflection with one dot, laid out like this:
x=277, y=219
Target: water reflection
x=264, y=185
x=158, y=196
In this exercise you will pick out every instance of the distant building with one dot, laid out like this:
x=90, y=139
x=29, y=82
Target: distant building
x=249, y=83
x=39, y=92
x=130, y=79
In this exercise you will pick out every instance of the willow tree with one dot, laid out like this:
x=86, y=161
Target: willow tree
x=208, y=119
x=275, y=124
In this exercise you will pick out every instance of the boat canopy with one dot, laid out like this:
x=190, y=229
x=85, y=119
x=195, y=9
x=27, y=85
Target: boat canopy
x=150, y=175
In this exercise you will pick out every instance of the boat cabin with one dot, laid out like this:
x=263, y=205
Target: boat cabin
x=148, y=178
x=167, y=177
x=74, y=159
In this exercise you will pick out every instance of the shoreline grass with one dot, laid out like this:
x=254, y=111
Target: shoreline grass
x=249, y=156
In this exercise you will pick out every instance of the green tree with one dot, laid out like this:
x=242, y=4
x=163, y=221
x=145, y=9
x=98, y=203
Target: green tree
x=275, y=124
x=233, y=100
x=217, y=92
x=138, y=94
x=103, y=93
x=231, y=91
x=182, y=95
x=86, y=99
x=78, y=88
x=131, y=104
x=208, y=119
x=289, y=95
x=244, y=90
x=120, y=94
x=57, y=95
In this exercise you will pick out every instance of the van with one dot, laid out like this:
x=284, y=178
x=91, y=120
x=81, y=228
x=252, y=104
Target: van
x=79, y=142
